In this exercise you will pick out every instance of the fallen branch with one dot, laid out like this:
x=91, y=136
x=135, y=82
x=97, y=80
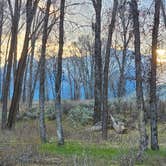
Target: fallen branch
x=119, y=127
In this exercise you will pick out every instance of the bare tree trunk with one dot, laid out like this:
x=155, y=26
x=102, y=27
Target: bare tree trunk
x=6, y=88
x=106, y=71
x=5, y=67
x=30, y=11
x=98, y=62
x=163, y=12
x=125, y=22
x=33, y=88
x=32, y=83
x=70, y=82
x=29, y=105
x=1, y=32
x=42, y=74
x=139, y=89
x=58, y=82
x=153, y=98
x=24, y=91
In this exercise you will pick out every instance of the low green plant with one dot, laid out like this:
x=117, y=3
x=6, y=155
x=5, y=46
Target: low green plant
x=81, y=114
x=82, y=149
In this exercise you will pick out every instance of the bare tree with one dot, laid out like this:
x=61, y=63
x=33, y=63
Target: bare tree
x=33, y=74
x=97, y=4
x=30, y=12
x=139, y=89
x=106, y=70
x=153, y=98
x=163, y=12
x=58, y=81
x=42, y=73
x=15, y=15
x=126, y=37
x=2, y=10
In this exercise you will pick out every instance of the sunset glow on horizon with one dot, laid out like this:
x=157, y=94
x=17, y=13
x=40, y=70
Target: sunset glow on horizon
x=161, y=55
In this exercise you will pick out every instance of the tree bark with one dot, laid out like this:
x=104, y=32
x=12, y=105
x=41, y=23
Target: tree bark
x=2, y=4
x=42, y=74
x=30, y=11
x=139, y=89
x=6, y=86
x=106, y=71
x=24, y=88
x=163, y=12
x=153, y=98
x=58, y=81
x=30, y=80
x=98, y=62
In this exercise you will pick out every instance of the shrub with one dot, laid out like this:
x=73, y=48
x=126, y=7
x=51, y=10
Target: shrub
x=81, y=114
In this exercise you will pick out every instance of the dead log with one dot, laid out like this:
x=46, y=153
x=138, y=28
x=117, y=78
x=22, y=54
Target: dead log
x=119, y=127
x=96, y=127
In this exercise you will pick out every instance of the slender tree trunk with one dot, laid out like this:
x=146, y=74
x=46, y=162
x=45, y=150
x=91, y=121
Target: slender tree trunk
x=122, y=81
x=153, y=98
x=92, y=77
x=71, y=84
x=98, y=62
x=163, y=12
x=58, y=82
x=6, y=86
x=1, y=32
x=106, y=71
x=139, y=89
x=33, y=41
x=5, y=68
x=14, y=61
x=24, y=91
x=42, y=74
x=30, y=11
x=34, y=85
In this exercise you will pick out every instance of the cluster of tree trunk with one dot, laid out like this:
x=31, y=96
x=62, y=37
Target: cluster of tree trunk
x=32, y=29
x=39, y=20
x=139, y=88
x=101, y=84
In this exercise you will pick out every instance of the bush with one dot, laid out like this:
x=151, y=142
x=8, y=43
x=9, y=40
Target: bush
x=81, y=114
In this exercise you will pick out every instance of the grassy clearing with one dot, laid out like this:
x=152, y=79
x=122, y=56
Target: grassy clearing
x=103, y=152
x=82, y=147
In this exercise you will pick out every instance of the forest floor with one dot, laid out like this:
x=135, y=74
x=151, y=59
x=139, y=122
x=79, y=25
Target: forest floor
x=22, y=146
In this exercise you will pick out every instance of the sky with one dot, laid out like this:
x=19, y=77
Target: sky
x=78, y=18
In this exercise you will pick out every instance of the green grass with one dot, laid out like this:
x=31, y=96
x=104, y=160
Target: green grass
x=100, y=152
x=152, y=153
x=81, y=149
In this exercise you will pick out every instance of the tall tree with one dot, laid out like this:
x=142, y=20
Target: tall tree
x=2, y=7
x=35, y=32
x=106, y=70
x=58, y=81
x=139, y=89
x=42, y=73
x=15, y=15
x=126, y=37
x=97, y=4
x=163, y=12
x=153, y=98
x=30, y=12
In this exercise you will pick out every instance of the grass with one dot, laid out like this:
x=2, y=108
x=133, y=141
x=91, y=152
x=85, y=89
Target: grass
x=81, y=153
x=103, y=152
x=161, y=152
x=81, y=149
